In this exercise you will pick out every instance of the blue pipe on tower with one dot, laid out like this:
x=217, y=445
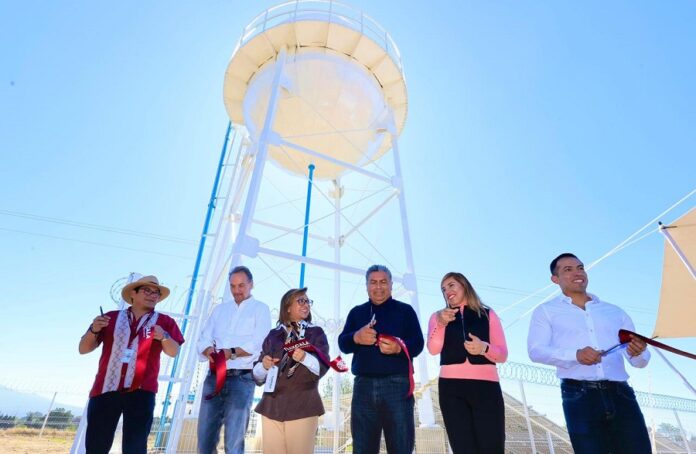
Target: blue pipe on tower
x=306, y=223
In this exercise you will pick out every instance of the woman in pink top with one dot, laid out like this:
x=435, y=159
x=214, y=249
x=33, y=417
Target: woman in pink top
x=470, y=340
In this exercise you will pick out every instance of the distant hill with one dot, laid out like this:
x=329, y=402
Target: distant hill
x=15, y=403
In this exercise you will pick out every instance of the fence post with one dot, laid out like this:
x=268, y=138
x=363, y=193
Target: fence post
x=78, y=446
x=50, y=408
x=683, y=433
x=526, y=417
x=550, y=442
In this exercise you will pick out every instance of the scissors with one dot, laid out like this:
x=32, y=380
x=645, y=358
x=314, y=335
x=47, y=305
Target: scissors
x=606, y=352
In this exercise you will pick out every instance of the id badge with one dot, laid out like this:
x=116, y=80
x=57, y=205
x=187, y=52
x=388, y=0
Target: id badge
x=271, y=379
x=127, y=355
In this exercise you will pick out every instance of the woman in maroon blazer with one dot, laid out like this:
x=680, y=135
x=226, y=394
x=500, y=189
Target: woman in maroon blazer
x=290, y=412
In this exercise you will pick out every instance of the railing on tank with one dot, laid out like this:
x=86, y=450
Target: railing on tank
x=322, y=10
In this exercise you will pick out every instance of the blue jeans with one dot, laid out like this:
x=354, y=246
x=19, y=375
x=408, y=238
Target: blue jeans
x=380, y=403
x=231, y=407
x=103, y=412
x=604, y=417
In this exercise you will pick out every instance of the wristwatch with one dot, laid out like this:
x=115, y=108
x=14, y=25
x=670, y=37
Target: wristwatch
x=233, y=353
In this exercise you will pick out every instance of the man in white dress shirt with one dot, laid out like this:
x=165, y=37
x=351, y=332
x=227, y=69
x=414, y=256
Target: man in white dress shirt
x=237, y=328
x=578, y=333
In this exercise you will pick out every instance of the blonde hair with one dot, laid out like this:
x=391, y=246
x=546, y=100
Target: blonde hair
x=472, y=298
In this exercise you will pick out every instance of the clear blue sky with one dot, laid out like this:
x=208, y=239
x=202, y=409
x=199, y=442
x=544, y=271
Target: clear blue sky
x=534, y=128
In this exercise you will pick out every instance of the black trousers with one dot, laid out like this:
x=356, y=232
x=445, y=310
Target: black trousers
x=103, y=412
x=474, y=414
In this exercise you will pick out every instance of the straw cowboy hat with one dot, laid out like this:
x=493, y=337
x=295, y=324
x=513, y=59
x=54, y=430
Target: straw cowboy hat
x=145, y=280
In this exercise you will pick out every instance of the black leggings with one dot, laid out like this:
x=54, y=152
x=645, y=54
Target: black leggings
x=474, y=415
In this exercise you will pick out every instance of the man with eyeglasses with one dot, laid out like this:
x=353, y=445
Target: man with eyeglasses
x=126, y=381
x=236, y=328
x=381, y=398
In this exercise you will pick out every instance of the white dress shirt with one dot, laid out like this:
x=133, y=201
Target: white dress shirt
x=559, y=328
x=243, y=325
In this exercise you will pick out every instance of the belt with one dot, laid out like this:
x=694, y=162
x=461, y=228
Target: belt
x=237, y=372
x=590, y=384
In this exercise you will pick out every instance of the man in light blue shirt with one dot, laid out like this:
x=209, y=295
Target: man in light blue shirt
x=579, y=334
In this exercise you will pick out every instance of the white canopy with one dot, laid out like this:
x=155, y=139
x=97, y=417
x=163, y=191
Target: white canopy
x=677, y=314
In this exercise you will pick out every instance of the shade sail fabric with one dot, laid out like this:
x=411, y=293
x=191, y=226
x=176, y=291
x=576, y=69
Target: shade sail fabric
x=677, y=313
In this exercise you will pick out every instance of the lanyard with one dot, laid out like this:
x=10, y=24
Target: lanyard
x=296, y=333
x=137, y=326
x=141, y=356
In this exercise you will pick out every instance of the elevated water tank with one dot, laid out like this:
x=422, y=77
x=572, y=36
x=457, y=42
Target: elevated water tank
x=342, y=80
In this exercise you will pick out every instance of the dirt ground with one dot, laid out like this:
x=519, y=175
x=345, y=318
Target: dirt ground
x=28, y=441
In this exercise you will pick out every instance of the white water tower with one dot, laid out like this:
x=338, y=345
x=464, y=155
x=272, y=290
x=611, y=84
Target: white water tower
x=320, y=85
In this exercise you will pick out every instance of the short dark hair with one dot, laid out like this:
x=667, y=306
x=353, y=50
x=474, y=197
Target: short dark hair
x=554, y=262
x=286, y=301
x=375, y=269
x=241, y=269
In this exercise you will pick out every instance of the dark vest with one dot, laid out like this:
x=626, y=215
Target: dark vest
x=453, y=351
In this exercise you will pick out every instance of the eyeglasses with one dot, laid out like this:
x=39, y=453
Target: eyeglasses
x=148, y=291
x=303, y=301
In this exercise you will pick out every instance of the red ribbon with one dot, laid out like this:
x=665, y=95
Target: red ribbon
x=625, y=337
x=402, y=344
x=218, y=366
x=337, y=364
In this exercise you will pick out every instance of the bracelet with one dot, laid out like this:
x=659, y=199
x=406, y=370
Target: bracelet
x=487, y=348
x=96, y=333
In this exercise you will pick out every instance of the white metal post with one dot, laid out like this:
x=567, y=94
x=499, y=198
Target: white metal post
x=527, y=418
x=78, y=445
x=683, y=433
x=336, y=398
x=188, y=370
x=212, y=282
x=549, y=440
x=215, y=263
x=652, y=414
x=425, y=407
x=221, y=239
x=50, y=408
x=241, y=242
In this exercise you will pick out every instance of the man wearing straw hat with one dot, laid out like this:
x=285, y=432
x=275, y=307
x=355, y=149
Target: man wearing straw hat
x=126, y=381
x=579, y=334
x=231, y=340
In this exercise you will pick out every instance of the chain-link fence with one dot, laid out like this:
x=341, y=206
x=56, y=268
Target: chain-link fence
x=534, y=420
